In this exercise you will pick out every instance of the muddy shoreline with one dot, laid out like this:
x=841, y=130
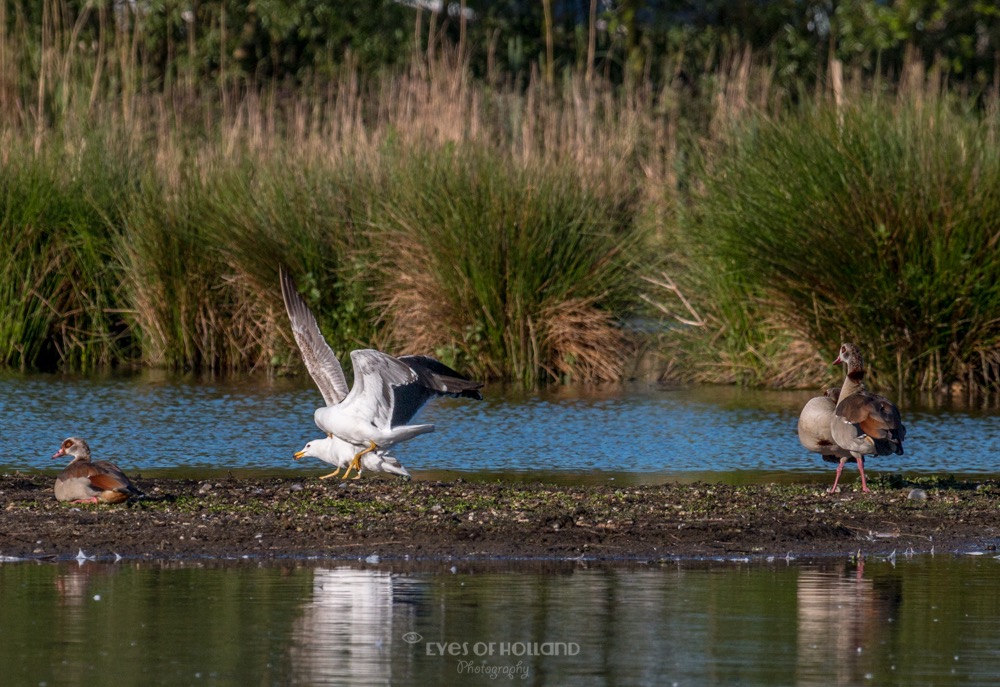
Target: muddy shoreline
x=270, y=518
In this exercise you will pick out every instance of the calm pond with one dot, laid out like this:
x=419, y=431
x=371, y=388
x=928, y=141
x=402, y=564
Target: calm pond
x=919, y=621
x=157, y=424
x=930, y=620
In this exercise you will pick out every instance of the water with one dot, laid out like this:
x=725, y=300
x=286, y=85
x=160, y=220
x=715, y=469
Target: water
x=907, y=621
x=917, y=621
x=155, y=423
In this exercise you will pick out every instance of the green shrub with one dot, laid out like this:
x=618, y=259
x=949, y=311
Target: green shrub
x=878, y=226
x=508, y=270
x=59, y=287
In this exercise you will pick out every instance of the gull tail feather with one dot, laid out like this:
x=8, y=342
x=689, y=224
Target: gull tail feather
x=405, y=432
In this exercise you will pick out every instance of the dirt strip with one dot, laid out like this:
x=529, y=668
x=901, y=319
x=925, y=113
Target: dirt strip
x=280, y=517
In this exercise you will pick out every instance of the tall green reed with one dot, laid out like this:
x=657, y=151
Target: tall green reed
x=507, y=270
x=202, y=261
x=60, y=294
x=875, y=223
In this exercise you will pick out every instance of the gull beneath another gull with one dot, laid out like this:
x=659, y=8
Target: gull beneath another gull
x=339, y=453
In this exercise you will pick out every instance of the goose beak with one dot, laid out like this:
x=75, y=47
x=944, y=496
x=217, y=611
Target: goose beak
x=838, y=361
x=60, y=453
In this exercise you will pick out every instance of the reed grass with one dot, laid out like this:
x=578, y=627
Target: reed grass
x=202, y=260
x=875, y=223
x=59, y=292
x=504, y=228
x=506, y=270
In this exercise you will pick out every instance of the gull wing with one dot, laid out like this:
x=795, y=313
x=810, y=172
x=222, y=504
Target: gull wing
x=441, y=379
x=383, y=389
x=432, y=378
x=320, y=360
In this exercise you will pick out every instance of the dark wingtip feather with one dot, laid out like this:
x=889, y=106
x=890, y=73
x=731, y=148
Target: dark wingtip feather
x=439, y=377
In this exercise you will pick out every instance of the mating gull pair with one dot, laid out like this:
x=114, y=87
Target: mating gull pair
x=387, y=393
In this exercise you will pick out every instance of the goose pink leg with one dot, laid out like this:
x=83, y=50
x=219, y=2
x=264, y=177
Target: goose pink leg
x=861, y=469
x=840, y=469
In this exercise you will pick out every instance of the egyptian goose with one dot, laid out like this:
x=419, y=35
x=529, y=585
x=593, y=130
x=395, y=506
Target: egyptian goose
x=863, y=423
x=84, y=481
x=814, y=427
x=339, y=453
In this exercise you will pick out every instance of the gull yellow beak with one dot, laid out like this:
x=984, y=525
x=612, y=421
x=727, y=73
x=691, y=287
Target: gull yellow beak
x=298, y=454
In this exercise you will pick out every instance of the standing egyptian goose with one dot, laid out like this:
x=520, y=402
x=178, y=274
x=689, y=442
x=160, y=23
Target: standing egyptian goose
x=84, y=481
x=864, y=424
x=814, y=427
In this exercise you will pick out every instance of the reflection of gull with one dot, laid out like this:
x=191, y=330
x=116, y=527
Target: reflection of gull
x=337, y=452
x=346, y=631
x=387, y=391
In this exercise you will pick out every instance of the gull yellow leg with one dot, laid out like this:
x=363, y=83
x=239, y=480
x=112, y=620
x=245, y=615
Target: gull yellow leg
x=355, y=463
x=332, y=474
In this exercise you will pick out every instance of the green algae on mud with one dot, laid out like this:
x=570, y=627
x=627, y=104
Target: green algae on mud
x=282, y=517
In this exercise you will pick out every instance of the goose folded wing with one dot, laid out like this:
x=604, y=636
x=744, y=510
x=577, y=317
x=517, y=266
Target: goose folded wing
x=864, y=412
x=107, y=482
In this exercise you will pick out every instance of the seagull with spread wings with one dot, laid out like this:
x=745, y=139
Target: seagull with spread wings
x=387, y=391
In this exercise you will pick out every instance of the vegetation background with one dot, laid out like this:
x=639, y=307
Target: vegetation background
x=532, y=191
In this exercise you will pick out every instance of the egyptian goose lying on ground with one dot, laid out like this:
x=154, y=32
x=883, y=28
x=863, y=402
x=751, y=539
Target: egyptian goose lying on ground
x=814, y=427
x=84, y=481
x=863, y=423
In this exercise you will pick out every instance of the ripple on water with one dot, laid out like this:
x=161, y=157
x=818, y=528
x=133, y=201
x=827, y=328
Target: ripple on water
x=155, y=421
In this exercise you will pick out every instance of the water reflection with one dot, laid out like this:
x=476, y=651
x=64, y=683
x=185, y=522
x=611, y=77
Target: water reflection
x=922, y=621
x=843, y=618
x=347, y=630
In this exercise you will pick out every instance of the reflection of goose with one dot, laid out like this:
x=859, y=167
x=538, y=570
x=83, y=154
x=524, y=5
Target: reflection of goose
x=346, y=633
x=72, y=583
x=387, y=391
x=841, y=615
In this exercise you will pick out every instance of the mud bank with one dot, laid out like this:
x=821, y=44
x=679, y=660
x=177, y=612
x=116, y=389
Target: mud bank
x=279, y=517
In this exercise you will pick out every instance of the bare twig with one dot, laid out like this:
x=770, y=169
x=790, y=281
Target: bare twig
x=665, y=282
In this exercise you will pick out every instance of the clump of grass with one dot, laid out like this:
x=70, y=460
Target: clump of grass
x=59, y=289
x=506, y=270
x=871, y=223
x=202, y=261
x=314, y=219
x=173, y=278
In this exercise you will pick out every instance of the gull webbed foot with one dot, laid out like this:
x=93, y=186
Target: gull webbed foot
x=355, y=463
